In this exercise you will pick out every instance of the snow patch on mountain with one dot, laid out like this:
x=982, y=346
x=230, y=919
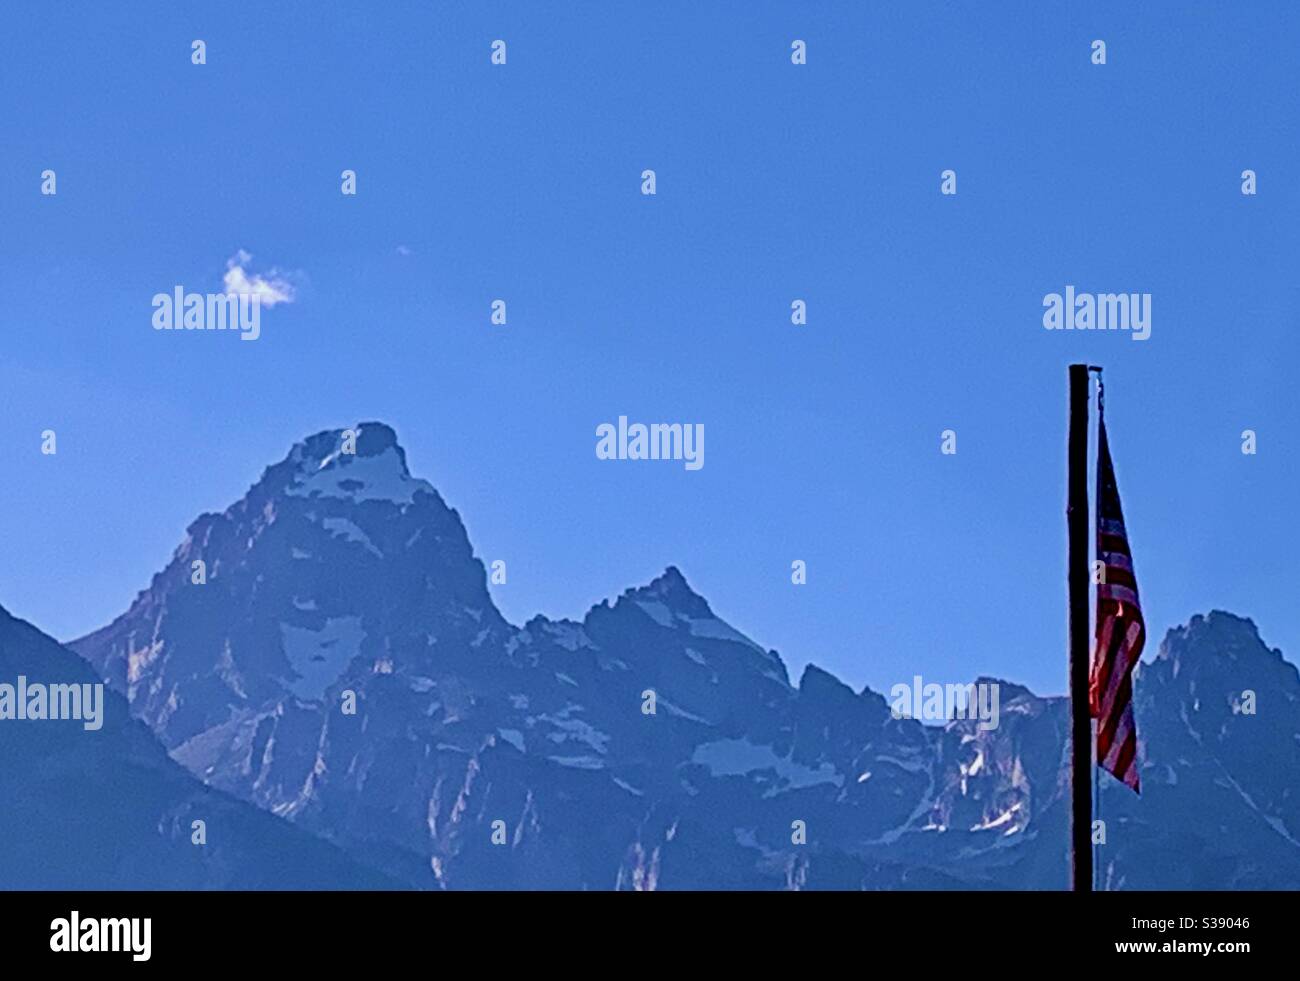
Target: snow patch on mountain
x=344, y=527
x=579, y=762
x=710, y=628
x=349, y=477
x=681, y=713
x=571, y=729
x=1004, y=818
x=568, y=635
x=715, y=629
x=514, y=737
x=320, y=656
x=657, y=612
x=739, y=757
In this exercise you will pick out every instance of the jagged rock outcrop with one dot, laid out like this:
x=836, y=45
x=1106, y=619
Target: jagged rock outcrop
x=651, y=745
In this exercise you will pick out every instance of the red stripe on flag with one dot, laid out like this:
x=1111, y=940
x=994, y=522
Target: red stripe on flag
x=1120, y=633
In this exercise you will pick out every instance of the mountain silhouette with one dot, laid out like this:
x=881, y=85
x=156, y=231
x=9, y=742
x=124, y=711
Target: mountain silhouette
x=107, y=809
x=651, y=744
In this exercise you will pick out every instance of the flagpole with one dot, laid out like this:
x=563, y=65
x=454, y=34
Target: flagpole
x=1077, y=577
x=1097, y=884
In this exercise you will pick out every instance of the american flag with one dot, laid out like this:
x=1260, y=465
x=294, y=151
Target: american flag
x=1120, y=635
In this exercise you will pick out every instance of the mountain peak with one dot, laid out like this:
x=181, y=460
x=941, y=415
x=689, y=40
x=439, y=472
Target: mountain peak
x=671, y=578
x=368, y=439
x=1217, y=633
x=374, y=437
x=671, y=588
x=363, y=463
x=1007, y=690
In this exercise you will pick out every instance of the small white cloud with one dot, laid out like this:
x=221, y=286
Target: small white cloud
x=270, y=289
x=403, y=250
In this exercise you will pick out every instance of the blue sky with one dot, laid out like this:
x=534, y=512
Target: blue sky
x=775, y=182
